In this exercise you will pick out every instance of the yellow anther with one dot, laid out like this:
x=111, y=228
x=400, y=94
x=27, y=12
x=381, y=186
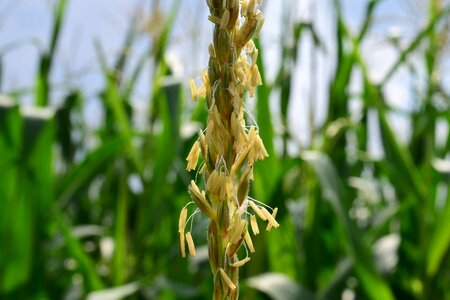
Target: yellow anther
x=182, y=220
x=257, y=210
x=182, y=245
x=274, y=214
x=254, y=225
x=240, y=263
x=192, y=157
x=248, y=241
x=227, y=279
x=270, y=218
x=190, y=243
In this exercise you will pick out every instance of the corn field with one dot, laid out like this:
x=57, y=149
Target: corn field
x=353, y=112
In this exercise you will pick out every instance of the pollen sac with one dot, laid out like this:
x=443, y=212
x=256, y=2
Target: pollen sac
x=227, y=280
x=274, y=214
x=182, y=244
x=203, y=145
x=182, y=220
x=254, y=225
x=248, y=241
x=240, y=263
x=191, y=245
x=192, y=158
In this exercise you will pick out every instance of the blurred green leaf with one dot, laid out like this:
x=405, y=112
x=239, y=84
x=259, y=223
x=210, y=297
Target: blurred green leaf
x=415, y=43
x=333, y=191
x=76, y=250
x=26, y=139
x=439, y=240
x=65, y=125
x=88, y=168
x=334, y=288
x=268, y=169
x=167, y=144
x=46, y=60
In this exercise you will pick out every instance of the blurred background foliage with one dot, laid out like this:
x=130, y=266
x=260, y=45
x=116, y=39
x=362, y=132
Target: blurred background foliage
x=91, y=212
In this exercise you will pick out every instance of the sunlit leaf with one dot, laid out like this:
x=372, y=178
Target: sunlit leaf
x=279, y=287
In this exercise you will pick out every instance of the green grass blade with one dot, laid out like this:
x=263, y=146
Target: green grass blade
x=86, y=265
x=161, y=68
x=333, y=190
x=117, y=106
x=368, y=19
x=124, y=55
x=420, y=37
x=15, y=256
x=65, y=125
x=167, y=145
x=59, y=13
x=88, y=168
x=402, y=165
x=26, y=141
x=131, y=83
x=120, y=234
x=399, y=157
x=42, y=84
x=334, y=288
x=267, y=169
x=162, y=43
x=439, y=241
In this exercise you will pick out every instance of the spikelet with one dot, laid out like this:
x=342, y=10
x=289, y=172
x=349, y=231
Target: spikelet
x=228, y=148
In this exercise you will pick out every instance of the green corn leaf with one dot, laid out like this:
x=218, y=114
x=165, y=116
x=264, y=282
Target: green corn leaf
x=333, y=290
x=26, y=140
x=333, y=190
x=42, y=85
x=118, y=107
x=169, y=101
x=279, y=287
x=162, y=43
x=15, y=257
x=268, y=169
x=439, y=241
x=420, y=37
x=120, y=234
x=88, y=168
x=86, y=265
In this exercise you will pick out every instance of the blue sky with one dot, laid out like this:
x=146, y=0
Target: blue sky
x=107, y=20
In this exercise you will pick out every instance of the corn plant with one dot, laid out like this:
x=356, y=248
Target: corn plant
x=229, y=149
